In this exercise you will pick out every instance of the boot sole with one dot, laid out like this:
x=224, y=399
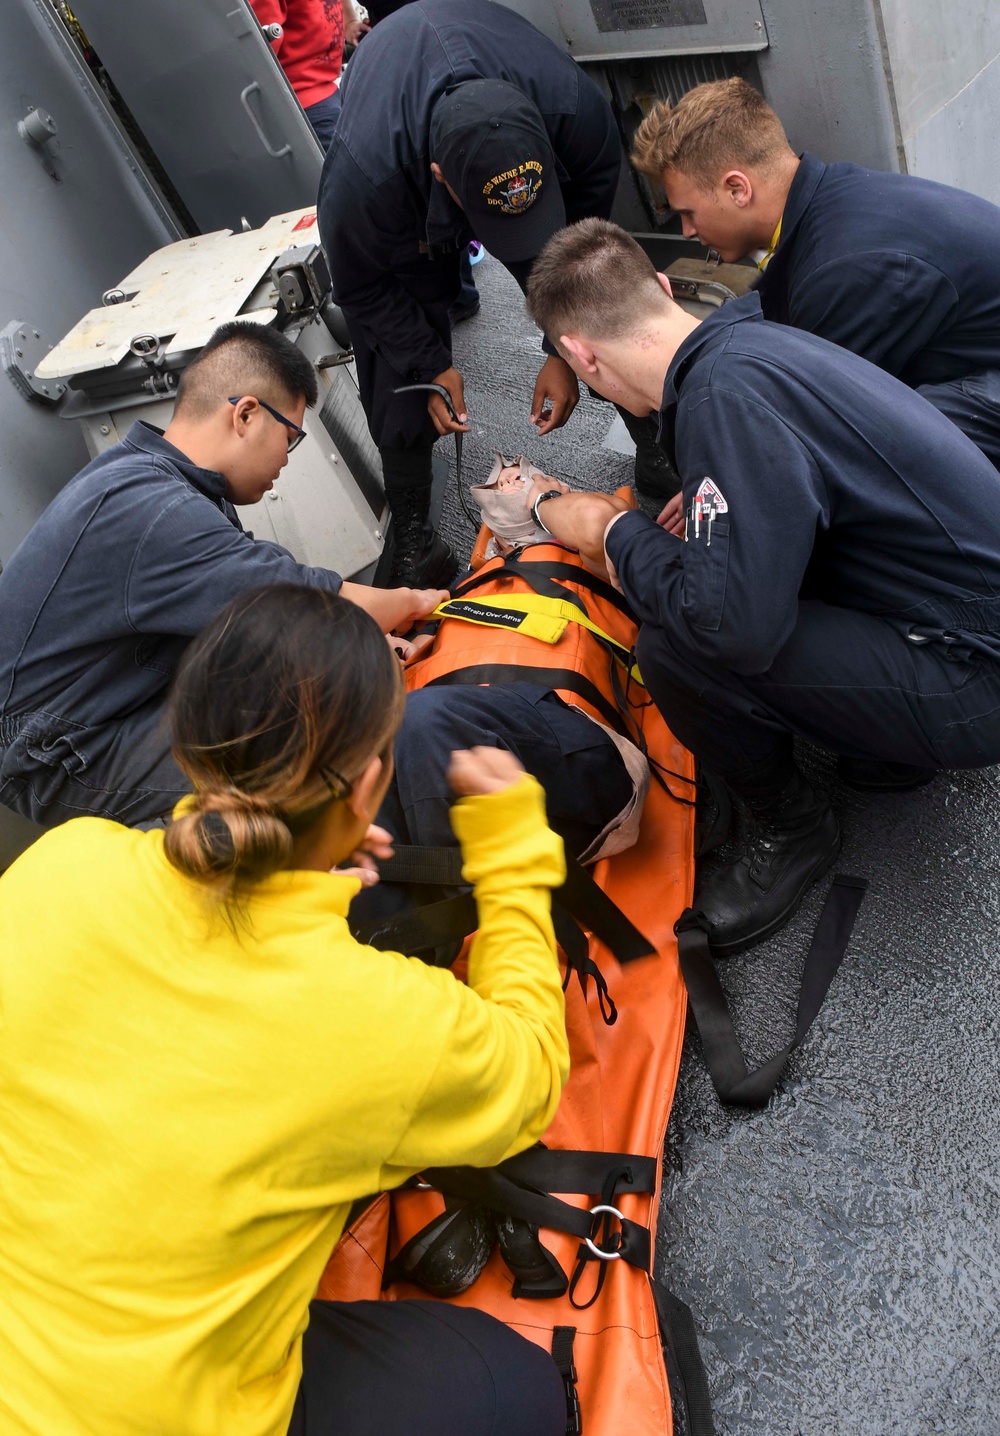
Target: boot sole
x=730, y=949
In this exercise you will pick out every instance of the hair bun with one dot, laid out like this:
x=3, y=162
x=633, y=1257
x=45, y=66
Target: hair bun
x=226, y=833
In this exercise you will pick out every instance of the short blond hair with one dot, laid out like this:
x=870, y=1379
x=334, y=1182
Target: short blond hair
x=712, y=128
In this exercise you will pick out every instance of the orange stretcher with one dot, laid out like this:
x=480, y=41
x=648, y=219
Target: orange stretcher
x=617, y=1101
x=625, y=1347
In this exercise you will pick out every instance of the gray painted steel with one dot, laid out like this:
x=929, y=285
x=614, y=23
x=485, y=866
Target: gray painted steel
x=945, y=65
x=70, y=223
x=823, y=72
x=839, y=1249
x=210, y=97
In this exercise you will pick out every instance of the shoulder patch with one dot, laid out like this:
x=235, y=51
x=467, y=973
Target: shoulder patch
x=711, y=496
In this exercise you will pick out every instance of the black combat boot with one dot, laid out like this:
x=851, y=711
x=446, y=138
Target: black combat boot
x=655, y=476
x=420, y=557
x=793, y=839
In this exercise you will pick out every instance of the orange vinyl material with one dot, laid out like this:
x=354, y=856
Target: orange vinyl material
x=617, y=1099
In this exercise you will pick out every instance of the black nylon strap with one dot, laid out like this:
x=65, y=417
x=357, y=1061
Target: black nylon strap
x=480, y=673
x=492, y=1188
x=569, y=573
x=732, y=1079
x=562, y=1355
x=431, y=926
x=590, y=905
x=536, y=581
x=579, y=896
x=685, y=1368
x=441, y=867
x=559, y=1170
x=561, y=573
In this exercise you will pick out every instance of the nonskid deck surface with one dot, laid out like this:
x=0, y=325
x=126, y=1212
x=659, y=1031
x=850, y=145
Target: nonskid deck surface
x=840, y=1249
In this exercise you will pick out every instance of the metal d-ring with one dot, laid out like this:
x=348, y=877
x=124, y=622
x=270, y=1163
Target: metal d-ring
x=597, y=1251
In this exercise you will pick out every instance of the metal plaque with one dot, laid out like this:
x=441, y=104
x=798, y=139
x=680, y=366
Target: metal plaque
x=627, y=29
x=646, y=14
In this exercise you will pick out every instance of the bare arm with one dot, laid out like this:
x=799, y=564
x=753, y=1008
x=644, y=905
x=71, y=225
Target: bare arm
x=394, y=608
x=577, y=519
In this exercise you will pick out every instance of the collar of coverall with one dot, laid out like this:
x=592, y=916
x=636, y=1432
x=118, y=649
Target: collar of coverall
x=149, y=440
x=805, y=183
x=735, y=311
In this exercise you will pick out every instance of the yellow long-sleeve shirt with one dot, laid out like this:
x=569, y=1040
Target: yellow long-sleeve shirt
x=188, y=1113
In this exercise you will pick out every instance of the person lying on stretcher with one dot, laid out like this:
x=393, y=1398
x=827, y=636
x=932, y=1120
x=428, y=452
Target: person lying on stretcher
x=595, y=780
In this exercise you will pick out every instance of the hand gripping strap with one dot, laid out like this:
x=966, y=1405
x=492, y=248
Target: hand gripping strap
x=732, y=1079
x=579, y=896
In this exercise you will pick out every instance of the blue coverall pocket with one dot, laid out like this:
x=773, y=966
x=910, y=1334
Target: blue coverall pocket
x=706, y=570
x=50, y=742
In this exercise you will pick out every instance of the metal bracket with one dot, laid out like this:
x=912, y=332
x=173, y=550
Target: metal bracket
x=39, y=132
x=22, y=349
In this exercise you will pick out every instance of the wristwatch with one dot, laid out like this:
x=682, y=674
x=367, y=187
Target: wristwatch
x=549, y=494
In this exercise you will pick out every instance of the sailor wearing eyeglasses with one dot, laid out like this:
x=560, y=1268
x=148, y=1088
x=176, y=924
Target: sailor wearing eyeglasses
x=131, y=560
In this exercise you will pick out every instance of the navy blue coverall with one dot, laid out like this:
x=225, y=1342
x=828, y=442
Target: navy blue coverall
x=392, y=233
x=902, y=271
x=130, y=560
x=847, y=587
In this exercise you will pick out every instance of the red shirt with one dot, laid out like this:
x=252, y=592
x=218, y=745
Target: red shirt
x=311, y=49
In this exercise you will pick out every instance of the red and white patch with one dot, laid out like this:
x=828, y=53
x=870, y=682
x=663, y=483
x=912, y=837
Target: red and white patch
x=711, y=496
x=306, y=222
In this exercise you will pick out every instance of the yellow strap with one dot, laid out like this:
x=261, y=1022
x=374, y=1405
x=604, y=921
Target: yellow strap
x=763, y=263
x=534, y=614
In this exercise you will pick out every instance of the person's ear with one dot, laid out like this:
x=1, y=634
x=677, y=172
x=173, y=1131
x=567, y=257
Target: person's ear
x=367, y=792
x=579, y=350
x=665, y=284
x=738, y=188
x=436, y=172
x=239, y=414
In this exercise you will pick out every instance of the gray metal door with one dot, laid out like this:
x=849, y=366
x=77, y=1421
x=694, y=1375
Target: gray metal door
x=212, y=101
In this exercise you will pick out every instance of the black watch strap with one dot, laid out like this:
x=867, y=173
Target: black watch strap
x=549, y=494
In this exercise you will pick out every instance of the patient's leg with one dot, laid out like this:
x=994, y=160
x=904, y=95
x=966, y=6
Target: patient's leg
x=585, y=781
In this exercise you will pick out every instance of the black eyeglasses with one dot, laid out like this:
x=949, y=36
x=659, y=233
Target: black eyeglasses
x=298, y=433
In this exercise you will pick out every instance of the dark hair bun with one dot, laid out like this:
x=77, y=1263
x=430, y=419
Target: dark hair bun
x=226, y=835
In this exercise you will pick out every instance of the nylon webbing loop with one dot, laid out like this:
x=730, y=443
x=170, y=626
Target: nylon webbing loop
x=732, y=1079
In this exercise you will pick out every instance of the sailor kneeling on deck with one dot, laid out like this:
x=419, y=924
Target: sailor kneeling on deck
x=128, y=563
x=201, y=1070
x=830, y=569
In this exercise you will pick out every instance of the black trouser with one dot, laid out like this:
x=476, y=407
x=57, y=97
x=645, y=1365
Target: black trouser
x=848, y=681
x=400, y=424
x=585, y=780
x=973, y=403
x=581, y=770
x=422, y=1368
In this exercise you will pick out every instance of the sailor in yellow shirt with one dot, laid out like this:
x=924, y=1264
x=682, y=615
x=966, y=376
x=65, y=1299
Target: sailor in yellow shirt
x=201, y=1070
